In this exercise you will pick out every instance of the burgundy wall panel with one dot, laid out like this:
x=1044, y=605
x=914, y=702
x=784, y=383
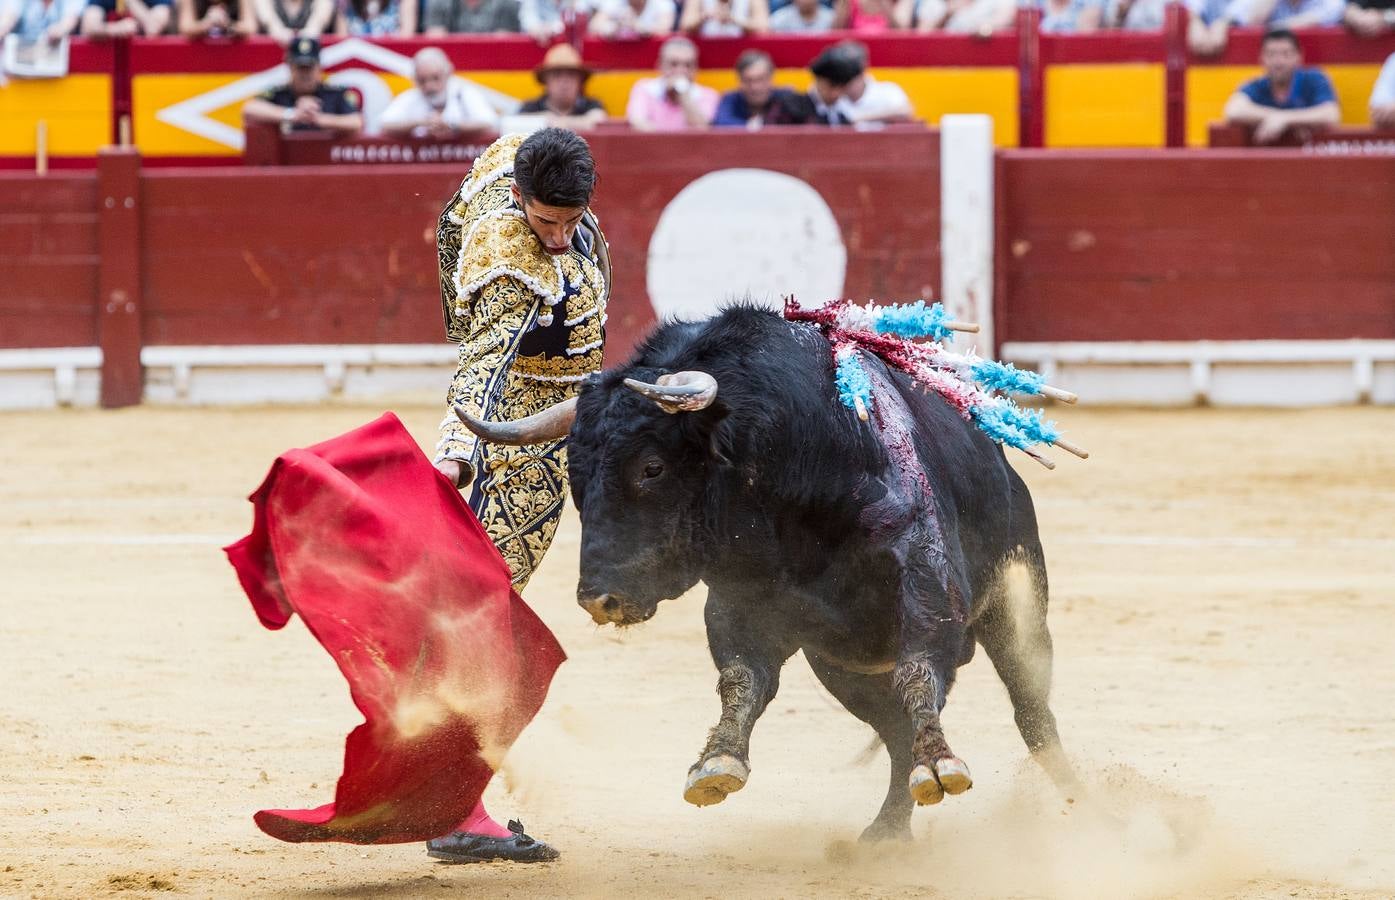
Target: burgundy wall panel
x=883, y=190
x=288, y=256
x=1190, y=245
x=48, y=260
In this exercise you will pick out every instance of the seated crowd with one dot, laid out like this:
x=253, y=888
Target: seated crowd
x=1287, y=99
x=284, y=20
x=441, y=106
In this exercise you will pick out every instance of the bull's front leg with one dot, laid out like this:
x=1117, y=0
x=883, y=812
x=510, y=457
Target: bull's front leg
x=748, y=663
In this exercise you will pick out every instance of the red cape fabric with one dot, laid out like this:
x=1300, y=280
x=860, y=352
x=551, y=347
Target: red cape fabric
x=392, y=573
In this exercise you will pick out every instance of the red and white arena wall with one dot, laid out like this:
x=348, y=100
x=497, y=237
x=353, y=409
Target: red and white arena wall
x=1132, y=276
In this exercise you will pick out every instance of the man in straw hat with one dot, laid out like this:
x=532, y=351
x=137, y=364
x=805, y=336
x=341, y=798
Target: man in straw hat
x=563, y=77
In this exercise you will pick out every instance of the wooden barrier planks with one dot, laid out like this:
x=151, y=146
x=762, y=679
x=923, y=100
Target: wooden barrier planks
x=48, y=260
x=1207, y=245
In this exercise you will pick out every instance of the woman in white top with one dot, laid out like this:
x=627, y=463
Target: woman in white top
x=965, y=16
x=725, y=18
x=633, y=18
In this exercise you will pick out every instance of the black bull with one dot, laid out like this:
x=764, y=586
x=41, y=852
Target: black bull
x=881, y=549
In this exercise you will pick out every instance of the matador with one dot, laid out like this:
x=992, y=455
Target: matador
x=524, y=280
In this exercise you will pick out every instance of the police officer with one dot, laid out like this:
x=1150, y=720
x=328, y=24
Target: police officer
x=306, y=102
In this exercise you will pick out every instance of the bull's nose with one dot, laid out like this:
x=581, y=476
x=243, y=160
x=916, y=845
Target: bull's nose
x=604, y=608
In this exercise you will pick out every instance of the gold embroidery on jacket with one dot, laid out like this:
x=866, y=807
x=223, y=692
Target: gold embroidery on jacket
x=497, y=284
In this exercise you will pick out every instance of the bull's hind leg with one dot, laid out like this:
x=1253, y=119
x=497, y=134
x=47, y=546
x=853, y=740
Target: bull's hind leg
x=748, y=666
x=933, y=628
x=1012, y=630
x=873, y=700
x=923, y=681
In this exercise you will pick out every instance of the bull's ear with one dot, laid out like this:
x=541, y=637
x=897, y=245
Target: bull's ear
x=721, y=435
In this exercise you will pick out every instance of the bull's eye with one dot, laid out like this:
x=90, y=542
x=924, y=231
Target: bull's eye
x=654, y=470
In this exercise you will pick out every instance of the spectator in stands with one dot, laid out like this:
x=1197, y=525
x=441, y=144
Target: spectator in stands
x=1288, y=13
x=1370, y=18
x=725, y=18
x=873, y=16
x=104, y=18
x=286, y=20
x=673, y=100
x=32, y=21
x=377, y=18
x=439, y=105
x=306, y=103
x=758, y=102
x=1134, y=15
x=1071, y=16
x=563, y=77
x=982, y=17
x=1287, y=96
x=472, y=17
x=802, y=17
x=849, y=95
x=1208, y=25
x=633, y=18
x=832, y=70
x=543, y=18
x=1383, y=96
x=215, y=18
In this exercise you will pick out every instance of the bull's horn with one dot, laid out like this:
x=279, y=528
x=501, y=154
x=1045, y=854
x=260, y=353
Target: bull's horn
x=679, y=392
x=551, y=424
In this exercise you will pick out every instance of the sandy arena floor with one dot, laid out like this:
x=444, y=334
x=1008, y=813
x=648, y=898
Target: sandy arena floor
x=1223, y=608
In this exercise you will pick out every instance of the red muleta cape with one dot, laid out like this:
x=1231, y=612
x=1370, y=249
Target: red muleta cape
x=394, y=576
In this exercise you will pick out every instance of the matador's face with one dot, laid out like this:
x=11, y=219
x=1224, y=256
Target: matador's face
x=554, y=225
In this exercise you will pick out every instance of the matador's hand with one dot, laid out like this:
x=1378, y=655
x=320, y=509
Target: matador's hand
x=458, y=471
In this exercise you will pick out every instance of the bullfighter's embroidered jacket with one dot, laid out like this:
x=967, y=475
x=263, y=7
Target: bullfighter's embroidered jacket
x=531, y=327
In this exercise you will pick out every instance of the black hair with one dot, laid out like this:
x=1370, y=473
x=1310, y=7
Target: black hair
x=1281, y=34
x=840, y=64
x=554, y=167
x=749, y=58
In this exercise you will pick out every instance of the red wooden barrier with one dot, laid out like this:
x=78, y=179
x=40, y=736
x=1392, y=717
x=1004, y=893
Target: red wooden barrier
x=1196, y=245
x=1095, y=246
x=1340, y=141
x=268, y=146
x=48, y=260
x=347, y=255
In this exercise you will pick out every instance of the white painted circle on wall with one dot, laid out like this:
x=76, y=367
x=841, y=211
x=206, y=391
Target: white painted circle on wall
x=744, y=231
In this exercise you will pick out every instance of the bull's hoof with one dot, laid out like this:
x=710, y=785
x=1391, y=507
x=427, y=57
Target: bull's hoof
x=953, y=774
x=925, y=787
x=714, y=778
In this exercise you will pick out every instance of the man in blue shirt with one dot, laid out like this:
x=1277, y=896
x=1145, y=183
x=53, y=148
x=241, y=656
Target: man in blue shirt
x=1288, y=95
x=758, y=102
x=38, y=20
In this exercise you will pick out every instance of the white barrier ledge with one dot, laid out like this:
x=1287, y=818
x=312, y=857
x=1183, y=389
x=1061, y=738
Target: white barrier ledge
x=294, y=373
x=49, y=376
x=1225, y=372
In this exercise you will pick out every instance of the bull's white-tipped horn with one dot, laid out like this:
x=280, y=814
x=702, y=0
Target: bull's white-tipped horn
x=551, y=424
x=679, y=392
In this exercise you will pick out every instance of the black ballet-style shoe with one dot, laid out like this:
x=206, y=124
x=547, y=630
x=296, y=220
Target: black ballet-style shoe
x=464, y=847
